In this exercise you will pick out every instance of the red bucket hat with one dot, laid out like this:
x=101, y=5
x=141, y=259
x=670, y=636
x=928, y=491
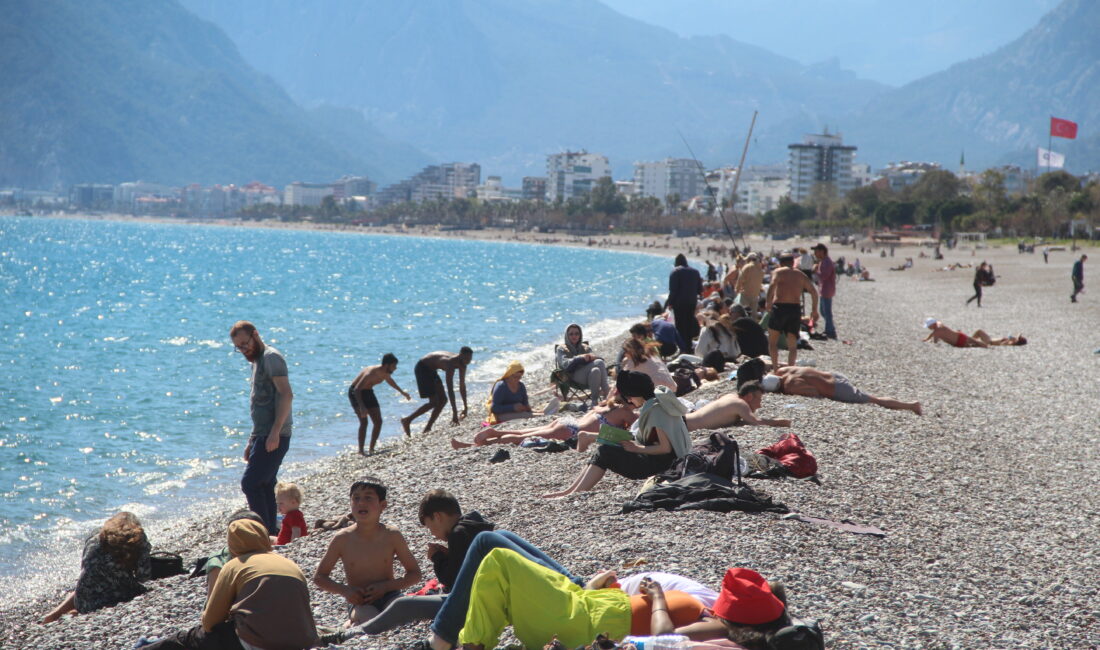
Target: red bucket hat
x=746, y=598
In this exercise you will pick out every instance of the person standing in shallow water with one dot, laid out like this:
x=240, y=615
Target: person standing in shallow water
x=270, y=405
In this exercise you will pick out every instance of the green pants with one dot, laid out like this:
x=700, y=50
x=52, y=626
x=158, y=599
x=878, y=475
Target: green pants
x=539, y=603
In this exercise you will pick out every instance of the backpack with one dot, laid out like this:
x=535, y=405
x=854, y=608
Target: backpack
x=801, y=634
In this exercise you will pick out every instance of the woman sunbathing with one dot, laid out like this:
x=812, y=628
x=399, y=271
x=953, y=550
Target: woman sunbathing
x=614, y=414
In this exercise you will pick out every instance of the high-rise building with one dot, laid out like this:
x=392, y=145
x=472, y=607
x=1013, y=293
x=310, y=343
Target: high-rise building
x=434, y=182
x=573, y=173
x=306, y=194
x=821, y=158
x=679, y=176
x=534, y=188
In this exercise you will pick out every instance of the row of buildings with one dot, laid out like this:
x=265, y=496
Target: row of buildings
x=821, y=162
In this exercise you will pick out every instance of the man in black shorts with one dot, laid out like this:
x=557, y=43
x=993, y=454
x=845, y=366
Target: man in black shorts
x=365, y=403
x=431, y=386
x=785, y=309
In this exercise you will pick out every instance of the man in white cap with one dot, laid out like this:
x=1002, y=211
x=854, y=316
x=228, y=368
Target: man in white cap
x=811, y=382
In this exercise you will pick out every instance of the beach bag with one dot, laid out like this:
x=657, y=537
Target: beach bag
x=799, y=635
x=165, y=565
x=793, y=455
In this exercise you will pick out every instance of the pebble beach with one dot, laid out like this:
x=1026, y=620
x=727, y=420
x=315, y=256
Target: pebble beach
x=988, y=500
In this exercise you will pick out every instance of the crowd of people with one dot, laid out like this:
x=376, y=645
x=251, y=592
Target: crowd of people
x=632, y=420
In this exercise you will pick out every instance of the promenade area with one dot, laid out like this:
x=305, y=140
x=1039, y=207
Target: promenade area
x=988, y=500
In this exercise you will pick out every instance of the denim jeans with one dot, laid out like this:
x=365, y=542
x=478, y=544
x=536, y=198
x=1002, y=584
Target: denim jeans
x=827, y=314
x=258, y=482
x=452, y=616
x=222, y=636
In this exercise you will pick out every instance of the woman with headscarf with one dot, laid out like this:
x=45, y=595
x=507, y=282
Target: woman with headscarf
x=115, y=562
x=583, y=367
x=662, y=436
x=508, y=396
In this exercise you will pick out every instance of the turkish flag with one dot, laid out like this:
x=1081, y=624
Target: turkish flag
x=1063, y=128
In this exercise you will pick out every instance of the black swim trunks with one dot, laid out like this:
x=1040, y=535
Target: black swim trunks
x=786, y=317
x=363, y=399
x=427, y=380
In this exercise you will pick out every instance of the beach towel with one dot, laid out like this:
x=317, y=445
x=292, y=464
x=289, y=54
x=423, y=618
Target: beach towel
x=703, y=492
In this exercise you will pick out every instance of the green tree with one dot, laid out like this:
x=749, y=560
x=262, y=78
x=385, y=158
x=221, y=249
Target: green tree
x=605, y=198
x=935, y=185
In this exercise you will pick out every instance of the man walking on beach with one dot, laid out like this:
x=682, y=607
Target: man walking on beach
x=685, y=285
x=270, y=405
x=430, y=385
x=1078, y=277
x=785, y=309
x=825, y=271
x=365, y=402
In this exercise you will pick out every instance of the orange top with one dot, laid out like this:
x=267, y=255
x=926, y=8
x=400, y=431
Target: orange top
x=683, y=608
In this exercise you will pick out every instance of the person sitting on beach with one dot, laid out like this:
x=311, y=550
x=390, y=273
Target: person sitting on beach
x=979, y=339
x=575, y=358
x=730, y=410
x=639, y=356
x=785, y=309
x=508, y=396
x=441, y=514
x=288, y=500
x=811, y=382
x=260, y=599
x=662, y=437
x=664, y=332
x=368, y=552
x=114, y=564
x=430, y=385
x=719, y=335
x=751, y=338
x=540, y=604
x=614, y=414
x=365, y=403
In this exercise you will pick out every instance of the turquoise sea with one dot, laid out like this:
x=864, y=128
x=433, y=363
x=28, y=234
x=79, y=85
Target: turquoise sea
x=120, y=389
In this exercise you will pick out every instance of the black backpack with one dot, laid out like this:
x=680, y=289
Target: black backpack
x=751, y=370
x=801, y=634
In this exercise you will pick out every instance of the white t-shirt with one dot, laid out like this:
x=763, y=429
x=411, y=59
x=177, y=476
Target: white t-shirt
x=670, y=582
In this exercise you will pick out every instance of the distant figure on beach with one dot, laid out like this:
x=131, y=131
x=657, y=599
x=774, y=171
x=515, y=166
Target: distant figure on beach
x=685, y=285
x=365, y=402
x=114, y=564
x=368, y=552
x=260, y=599
x=508, y=396
x=730, y=410
x=784, y=306
x=811, y=382
x=983, y=277
x=574, y=356
x=979, y=339
x=825, y=271
x=1078, y=277
x=271, y=401
x=664, y=332
x=430, y=386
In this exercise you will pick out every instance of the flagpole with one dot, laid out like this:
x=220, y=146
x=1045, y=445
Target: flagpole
x=1050, y=141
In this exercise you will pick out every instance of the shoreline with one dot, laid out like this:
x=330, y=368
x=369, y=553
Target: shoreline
x=956, y=490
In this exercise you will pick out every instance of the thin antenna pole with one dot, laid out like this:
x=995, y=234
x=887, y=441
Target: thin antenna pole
x=741, y=168
x=713, y=194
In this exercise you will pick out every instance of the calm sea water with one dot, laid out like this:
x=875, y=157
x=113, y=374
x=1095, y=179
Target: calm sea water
x=119, y=388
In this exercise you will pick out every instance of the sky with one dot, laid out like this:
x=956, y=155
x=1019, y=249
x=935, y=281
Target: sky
x=889, y=41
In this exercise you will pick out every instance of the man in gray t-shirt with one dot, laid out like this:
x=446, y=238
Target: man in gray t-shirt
x=270, y=405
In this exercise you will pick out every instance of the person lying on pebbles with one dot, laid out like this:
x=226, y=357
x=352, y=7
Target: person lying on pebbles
x=979, y=339
x=614, y=414
x=662, y=437
x=811, y=382
x=731, y=410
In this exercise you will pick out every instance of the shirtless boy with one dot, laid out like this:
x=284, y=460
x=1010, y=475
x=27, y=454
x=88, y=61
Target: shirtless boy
x=367, y=550
x=363, y=400
x=430, y=385
x=784, y=305
x=730, y=409
x=811, y=382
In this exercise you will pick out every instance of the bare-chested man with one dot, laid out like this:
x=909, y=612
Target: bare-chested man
x=750, y=280
x=430, y=385
x=730, y=409
x=365, y=402
x=811, y=382
x=979, y=339
x=785, y=306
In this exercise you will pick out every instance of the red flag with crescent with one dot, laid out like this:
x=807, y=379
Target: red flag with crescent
x=1060, y=128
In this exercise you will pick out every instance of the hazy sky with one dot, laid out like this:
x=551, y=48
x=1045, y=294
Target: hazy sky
x=891, y=41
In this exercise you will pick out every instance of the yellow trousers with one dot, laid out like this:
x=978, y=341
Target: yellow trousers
x=539, y=603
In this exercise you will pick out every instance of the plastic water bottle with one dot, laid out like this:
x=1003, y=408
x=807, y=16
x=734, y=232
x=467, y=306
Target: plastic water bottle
x=659, y=642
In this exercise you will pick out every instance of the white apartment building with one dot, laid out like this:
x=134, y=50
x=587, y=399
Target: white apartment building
x=573, y=173
x=680, y=176
x=820, y=158
x=306, y=194
x=905, y=173
x=758, y=195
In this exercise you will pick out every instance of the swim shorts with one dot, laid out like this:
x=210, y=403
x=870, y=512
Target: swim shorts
x=962, y=341
x=362, y=400
x=844, y=391
x=786, y=317
x=426, y=379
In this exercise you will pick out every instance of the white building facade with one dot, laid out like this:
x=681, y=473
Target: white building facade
x=820, y=158
x=573, y=173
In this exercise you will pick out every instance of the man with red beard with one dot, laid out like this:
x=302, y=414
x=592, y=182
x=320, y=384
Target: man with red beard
x=270, y=406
